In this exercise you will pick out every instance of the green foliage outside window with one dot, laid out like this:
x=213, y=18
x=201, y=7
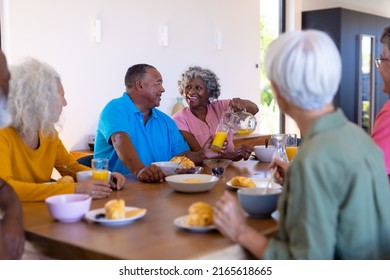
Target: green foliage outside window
x=269, y=111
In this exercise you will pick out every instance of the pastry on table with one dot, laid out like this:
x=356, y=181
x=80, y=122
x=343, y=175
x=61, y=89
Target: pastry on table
x=115, y=209
x=186, y=163
x=200, y=214
x=65, y=179
x=241, y=181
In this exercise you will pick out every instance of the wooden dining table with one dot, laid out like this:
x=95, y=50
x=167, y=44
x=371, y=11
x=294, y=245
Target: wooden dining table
x=154, y=236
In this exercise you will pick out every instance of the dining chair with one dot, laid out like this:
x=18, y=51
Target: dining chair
x=86, y=160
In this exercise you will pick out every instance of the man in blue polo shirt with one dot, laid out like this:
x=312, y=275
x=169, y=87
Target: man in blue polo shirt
x=132, y=133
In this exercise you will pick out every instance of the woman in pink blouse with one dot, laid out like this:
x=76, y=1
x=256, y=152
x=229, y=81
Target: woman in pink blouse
x=198, y=122
x=381, y=131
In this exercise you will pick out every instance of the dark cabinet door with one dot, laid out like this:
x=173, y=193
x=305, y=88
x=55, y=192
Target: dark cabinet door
x=346, y=28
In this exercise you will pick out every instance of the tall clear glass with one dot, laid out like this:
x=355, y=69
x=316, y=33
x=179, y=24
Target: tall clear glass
x=280, y=141
x=291, y=146
x=219, y=138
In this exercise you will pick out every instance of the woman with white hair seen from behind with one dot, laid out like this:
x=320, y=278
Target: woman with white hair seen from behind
x=30, y=148
x=335, y=201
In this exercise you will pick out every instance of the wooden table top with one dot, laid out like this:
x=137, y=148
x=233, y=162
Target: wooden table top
x=152, y=237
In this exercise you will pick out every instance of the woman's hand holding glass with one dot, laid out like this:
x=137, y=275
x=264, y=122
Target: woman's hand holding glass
x=95, y=188
x=98, y=188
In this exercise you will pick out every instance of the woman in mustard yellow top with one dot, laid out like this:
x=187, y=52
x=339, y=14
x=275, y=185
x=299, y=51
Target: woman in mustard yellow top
x=30, y=148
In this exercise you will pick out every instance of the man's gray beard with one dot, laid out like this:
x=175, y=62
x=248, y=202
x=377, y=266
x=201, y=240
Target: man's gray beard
x=5, y=116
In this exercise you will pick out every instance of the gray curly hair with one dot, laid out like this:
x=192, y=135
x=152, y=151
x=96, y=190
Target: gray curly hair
x=211, y=80
x=33, y=97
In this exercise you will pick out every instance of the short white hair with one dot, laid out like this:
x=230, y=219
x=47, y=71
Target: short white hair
x=305, y=66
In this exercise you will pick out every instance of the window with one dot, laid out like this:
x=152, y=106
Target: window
x=271, y=24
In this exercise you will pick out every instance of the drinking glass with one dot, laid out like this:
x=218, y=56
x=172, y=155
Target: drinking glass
x=280, y=140
x=220, y=137
x=291, y=146
x=100, y=169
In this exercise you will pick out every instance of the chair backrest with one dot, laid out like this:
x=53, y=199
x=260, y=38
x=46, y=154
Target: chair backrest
x=85, y=160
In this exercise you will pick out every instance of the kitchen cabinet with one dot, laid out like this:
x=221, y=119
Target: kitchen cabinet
x=356, y=35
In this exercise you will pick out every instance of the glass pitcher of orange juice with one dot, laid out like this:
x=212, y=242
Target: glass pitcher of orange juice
x=246, y=123
x=241, y=122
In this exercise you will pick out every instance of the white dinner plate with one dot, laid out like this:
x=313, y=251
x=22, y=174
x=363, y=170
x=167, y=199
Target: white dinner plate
x=181, y=222
x=259, y=182
x=91, y=216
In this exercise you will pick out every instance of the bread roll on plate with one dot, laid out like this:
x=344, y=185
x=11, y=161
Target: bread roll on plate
x=200, y=214
x=241, y=181
x=186, y=163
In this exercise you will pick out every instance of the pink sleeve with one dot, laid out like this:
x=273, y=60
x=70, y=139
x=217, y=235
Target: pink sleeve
x=221, y=106
x=181, y=119
x=381, y=133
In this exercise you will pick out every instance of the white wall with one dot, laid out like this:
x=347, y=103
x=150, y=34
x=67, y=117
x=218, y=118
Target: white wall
x=376, y=7
x=60, y=32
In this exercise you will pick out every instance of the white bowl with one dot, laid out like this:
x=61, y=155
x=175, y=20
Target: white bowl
x=173, y=168
x=68, y=208
x=264, y=154
x=191, y=183
x=86, y=175
x=258, y=202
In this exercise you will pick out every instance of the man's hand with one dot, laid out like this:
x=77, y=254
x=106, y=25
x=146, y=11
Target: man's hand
x=151, y=174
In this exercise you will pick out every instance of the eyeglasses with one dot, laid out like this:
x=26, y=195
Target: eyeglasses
x=379, y=60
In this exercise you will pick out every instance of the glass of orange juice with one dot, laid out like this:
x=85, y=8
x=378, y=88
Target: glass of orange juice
x=219, y=137
x=100, y=169
x=291, y=146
